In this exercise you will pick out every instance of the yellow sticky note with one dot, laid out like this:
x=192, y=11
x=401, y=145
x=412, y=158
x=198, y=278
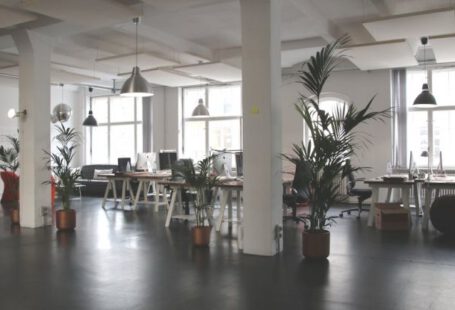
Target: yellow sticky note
x=254, y=110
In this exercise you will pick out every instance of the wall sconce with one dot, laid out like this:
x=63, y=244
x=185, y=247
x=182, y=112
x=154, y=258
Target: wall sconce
x=12, y=113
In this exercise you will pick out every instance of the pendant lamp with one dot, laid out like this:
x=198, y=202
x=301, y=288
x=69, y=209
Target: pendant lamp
x=90, y=120
x=62, y=111
x=200, y=109
x=425, y=98
x=136, y=85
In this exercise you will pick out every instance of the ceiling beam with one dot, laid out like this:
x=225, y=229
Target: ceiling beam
x=170, y=41
x=328, y=30
x=381, y=7
x=234, y=52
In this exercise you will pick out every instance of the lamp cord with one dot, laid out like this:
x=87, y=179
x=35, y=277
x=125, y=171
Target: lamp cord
x=425, y=60
x=62, y=91
x=136, y=22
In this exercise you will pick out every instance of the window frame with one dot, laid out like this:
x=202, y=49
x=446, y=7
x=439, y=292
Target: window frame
x=109, y=124
x=327, y=96
x=208, y=119
x=430, y=117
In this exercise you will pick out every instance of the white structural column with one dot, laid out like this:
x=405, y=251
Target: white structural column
x=261, y=76
x=34, y=128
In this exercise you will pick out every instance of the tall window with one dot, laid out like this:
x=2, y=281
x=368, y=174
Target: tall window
x=432, y=128
x=221, y=130
x=119, y=131
x=333, y=104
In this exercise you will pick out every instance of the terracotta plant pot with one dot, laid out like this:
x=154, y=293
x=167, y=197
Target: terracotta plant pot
x=11, y=186
x=66, y=219
x=316, y=244
x=15, y=217
x=201, y=235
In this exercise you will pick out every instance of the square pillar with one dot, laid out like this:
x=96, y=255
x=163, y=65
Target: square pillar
x=34, y=130
x=261, y=80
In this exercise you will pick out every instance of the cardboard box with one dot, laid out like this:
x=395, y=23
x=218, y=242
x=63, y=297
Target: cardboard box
x=391, y=217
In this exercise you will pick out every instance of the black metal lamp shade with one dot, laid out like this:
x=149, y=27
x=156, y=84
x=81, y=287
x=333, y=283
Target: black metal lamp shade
x=90, y=120
x=425, y=98
x=200, y=109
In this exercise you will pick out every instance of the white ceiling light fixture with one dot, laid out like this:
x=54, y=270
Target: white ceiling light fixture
x=136, y=85
x=200, y=109
x=425, y=98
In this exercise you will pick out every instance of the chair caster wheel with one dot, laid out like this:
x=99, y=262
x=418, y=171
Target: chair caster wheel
x=341, y=214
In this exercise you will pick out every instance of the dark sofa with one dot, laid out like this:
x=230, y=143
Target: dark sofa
x=94, y=187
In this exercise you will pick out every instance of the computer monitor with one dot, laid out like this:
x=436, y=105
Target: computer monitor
x=124, y=164
x=146, y=161
x=167, y=159
x=222, y=163
x=239, y=163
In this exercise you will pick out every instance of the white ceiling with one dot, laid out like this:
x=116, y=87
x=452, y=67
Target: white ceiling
x=184, y=41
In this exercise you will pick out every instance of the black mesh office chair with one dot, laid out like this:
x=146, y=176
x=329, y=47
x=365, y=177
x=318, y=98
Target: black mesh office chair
x=361, y=193
x=299, y=191
x=187, y=196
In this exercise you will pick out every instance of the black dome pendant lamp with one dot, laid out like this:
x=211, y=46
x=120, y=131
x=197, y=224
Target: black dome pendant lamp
x=90, y=120
x=425, y=98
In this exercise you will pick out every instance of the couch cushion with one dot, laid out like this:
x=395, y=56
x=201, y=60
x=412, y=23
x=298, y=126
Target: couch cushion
x=87, y=171
x=97, y=172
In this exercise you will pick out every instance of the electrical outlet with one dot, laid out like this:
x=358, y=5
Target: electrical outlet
x=45, y=211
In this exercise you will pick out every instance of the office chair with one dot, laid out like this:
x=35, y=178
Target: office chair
x=239, y=163
x=299, y=192
x=360, y=193
x=187, y=196
x=166, y=159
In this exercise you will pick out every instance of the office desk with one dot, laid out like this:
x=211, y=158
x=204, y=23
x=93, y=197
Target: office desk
x=126, y=185
x=436, y=185
x=226, y=188
x=177, y=188
x=405, y=187
x=147, y=180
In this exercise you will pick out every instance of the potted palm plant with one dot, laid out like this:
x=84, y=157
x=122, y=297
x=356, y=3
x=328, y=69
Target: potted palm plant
x=9, y=163
x=202, y=181
x=65, y=177
x=333, y=139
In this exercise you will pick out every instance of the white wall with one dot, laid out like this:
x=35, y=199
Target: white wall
x=166, y=120
x=359, y=86
x=9, y=92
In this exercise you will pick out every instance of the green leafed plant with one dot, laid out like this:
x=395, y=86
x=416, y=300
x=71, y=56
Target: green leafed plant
x=59, y=163
x=201, y=179
x=9, y=156
x=333, y=138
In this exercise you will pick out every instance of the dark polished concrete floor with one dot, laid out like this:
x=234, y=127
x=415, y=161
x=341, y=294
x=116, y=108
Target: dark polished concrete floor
x=126, y=260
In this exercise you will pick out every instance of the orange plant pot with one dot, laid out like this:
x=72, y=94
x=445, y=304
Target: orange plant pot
x=65, y=219
x=201, y=236
x=316, y=244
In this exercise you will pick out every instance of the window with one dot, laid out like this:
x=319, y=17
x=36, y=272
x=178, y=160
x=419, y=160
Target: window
x=332, y=104
x=431, y=128
x=119, y=131
x=221, y=130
